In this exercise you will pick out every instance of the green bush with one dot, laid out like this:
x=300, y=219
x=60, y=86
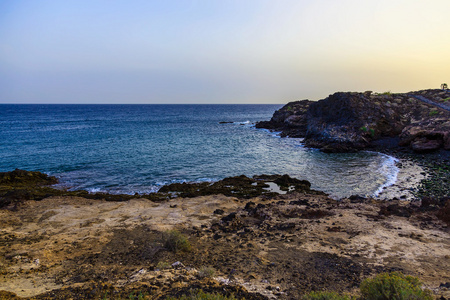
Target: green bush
x=371, y=131
x=325, y=296
x=174, y=240
x=433, y=112
x=140, y=296
x=200, y=295
x=393, y=286
x=162, y=265
x=206, y=272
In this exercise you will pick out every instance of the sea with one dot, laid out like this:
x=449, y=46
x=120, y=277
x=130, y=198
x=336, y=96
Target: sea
x=139, y=148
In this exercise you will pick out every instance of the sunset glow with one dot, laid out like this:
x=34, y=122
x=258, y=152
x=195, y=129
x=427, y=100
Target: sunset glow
x=218, y=51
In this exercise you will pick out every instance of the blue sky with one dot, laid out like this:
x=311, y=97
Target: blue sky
x=247, y=51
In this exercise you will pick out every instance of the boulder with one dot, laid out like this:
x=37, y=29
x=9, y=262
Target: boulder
x=425, y=145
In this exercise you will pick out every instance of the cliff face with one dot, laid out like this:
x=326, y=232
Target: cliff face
x=348, y=121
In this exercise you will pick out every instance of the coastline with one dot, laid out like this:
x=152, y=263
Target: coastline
x=260, y=246
x=240, y=236
x=407, y=181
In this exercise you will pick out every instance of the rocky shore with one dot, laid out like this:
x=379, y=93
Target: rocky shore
x=351, y=121
x=413, y=127
x=267, y=237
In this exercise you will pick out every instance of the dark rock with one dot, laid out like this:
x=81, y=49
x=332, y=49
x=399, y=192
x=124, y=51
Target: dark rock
x=348, y=122
x=428, y=201
x=229, y=218
x=356, y=199
x=425, y=145
x=291, y=119
x=299, y=202
x=444, y=213
x=21, y=177
x=396, y=210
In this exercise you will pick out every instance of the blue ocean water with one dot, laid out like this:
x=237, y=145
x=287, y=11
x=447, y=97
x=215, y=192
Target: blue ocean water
x=137, y=148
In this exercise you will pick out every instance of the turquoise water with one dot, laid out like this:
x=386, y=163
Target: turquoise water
x=137, y=148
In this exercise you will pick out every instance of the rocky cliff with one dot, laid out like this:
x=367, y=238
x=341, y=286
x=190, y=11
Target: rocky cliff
x=353, y=121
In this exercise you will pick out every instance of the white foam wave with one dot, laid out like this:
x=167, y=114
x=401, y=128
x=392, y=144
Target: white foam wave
x=242, y=123
x=272, y=133
x=95, y=190
x=388, y=169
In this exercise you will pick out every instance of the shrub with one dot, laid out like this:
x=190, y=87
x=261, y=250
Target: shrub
x=140, y=296
x=433, y=112
x=206, y=272
x=174, y=240
x=325, y=296
x=163, y=265
x=200, y=295
x=393, y=286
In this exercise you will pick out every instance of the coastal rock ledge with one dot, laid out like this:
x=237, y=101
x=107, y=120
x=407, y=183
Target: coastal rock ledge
x=352, y=121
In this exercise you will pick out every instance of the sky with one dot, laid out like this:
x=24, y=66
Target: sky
x=218, y=51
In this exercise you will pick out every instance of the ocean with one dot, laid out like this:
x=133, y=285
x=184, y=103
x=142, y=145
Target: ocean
x=138, y=148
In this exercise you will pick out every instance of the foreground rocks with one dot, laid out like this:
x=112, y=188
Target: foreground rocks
x=19, y=185
x=345, y=122
x=268, y=246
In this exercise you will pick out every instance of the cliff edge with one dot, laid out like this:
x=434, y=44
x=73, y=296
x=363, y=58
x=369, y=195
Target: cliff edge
x=351, y=121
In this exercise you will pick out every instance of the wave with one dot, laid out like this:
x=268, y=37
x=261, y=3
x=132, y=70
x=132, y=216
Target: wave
x=276, y=134
x=390, y=171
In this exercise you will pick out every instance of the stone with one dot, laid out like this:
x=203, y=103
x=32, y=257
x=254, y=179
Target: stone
x=425, y=145
x=178, y=265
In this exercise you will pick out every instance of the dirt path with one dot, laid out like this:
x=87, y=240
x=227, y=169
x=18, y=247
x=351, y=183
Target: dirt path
x=428, y=101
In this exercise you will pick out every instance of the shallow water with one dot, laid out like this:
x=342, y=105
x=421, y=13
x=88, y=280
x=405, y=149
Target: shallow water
x=138, y=148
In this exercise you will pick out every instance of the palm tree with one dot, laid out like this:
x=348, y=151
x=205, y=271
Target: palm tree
x=444, y=86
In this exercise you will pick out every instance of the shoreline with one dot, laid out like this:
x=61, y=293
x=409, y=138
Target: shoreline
x=408, y=179
x=241, y=236
x=264, y=247
x=404, y=172
x=67, y=245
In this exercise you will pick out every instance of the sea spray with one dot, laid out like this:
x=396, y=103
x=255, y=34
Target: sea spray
x=390, y=171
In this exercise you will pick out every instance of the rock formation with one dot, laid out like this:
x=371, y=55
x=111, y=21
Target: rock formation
x=351, y=121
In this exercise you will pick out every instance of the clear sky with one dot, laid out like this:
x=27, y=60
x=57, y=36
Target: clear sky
x=218, y=51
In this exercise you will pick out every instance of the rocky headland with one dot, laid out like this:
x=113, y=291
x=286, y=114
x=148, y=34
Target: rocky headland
x=350, y=121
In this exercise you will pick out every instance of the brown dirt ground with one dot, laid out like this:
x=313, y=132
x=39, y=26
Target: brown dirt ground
x=262, y=248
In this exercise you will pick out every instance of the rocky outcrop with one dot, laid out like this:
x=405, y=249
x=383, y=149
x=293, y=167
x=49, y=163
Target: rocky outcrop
x=19, y=186
x=350, y=121
x=427, y=135
x=290, y=119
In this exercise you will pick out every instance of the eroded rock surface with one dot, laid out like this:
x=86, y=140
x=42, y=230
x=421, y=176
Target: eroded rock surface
x=351, y=121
